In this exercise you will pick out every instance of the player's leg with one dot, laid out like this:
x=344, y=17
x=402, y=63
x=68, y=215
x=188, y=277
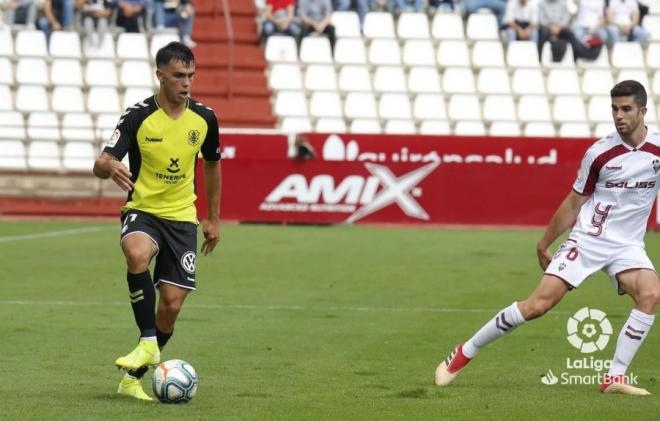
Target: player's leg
x=644, y=288
x=549, y=292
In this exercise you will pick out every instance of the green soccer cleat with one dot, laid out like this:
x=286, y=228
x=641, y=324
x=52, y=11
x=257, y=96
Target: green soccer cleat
x=146, y=353
x=130, y=386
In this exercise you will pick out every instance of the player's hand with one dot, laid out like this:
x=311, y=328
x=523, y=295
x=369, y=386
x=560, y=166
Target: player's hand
x=211, y=230
x=121, y=175
x=544, y=256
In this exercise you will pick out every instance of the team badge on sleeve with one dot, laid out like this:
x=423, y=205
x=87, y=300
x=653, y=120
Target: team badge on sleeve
x=114, y=138
x=193, y=137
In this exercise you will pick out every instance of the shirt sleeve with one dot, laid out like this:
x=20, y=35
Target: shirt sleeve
x=582, y=184
x=211, y=146
x=125, y=135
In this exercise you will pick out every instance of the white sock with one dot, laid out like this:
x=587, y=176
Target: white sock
x=630, y=339
x=149, y=338
x=504, y=322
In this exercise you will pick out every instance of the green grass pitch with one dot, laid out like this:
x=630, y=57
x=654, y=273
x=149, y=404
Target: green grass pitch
x=317, y=323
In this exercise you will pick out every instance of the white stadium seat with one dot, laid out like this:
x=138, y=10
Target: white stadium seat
x=384, y=51
x=12, y=155
x=597, y=81
x=134, y=95
x=101, y=73
x=354, y=79
x=652, y=25
x=429, y=107
x=31, y=98
x=447, y=26
x=78, y=156
x=67, y=99
x=394, y=106
x=627, y=55
x=379, y=25
x=413, y=26
x=105, y=125
x=528, y=82
x=13, y=125
x=418, y=53
x=599, y=109
x=522, y=54
x=43, y=126
x=6, y=41
x=499, y=108
x=601, y=62
x=325, y=104
x=488, y=54
x=563, y=82
x=296, y=125
x=653, y=55
x=350, y=51
x=482, y=26
x=77, y=127
x=132, y=46
x=603, y=129
x=389, y=79
x=539, y=129
x=102, y=99
x=6, y=101
x=66, y=71
x=656, y=84
x=365, y=126
x=458, y=80
x=424, y=80
x=639, y=75
x=330, y=125
x=285, y=76
x=360, y=105
x=493, y=81
x=31, y=43
x=469, y=128
x=32, y=71
x=567, y=60
x=574, y=130
x=65, y=44
x=158, y=41
x=6, y=71
x=347, y=24
x=291, y=104
x=136, y=73
x=464, y=108
x=504, y=128
x=533, y=108
x=434, y=127
x=453, y=53
x=44, y=155
x=281, y=49
x=399, y=127
x=569, y=109
x=315, y=49
x=320, y=77
x=103, y=50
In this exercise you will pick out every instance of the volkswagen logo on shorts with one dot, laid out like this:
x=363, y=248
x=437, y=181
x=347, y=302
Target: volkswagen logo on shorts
x=188, y=262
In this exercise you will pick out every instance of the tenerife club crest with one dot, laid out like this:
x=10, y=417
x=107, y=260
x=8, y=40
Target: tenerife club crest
x=193, y=137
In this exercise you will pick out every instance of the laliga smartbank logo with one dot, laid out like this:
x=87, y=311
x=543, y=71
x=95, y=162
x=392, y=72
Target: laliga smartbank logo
x=588, y=331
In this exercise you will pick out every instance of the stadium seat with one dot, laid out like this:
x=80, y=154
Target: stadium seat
x=12, y=155
x=64, y=44
x=597, y=81
x=32, y=71
x=31, y=98
x=652, y=25
x=31, y=43
x=482, y=26
x=325, y=104
x=413, y=26
x=447, y=26
x=315, y=49
x=136, y=73
x=638, y=75
x=429, y=107
x=394, y=106
x=105, y=125
x=574, y=130
x=65, y=71
x=102, y=99
x=77, y=127
x=533, y=108
x=13, y=126
x=285, y=76
x=104, y=50
x=601, y=62
x=499, y=108
x=384, y=51
x=158, y=41
x=6, y=41
x=528, y=82
x=354, y=79
x=78, y=156
x=651, y=117
x=567, y=60
x=464, y=108
x=654, y=6
x=603, y=129
x=424, y=80
x=281, y=49
x=320, y=77
x=493, y=81
x=43, y=126
x=434, y=127
x=539, y=129
x=134, y=95
x=44, y=155
x=360, y=105
x=399, y=127
x=655, y=84
x=453, y=53
x=347, y=24
x=504, y=128
x=132, y=46
x=522, y=54
x=389, y=79
x=418, y=53
x=378, y=25
x=653, y=55
x=295, y=125
x=290, y=104
x=469, y=128
x=6, y=72
x=365, y=126
x=569, y=109
x=67, y=99
x=488, y=54
x=350, y=51
x=6, y=101
x=330, y=125
x=101, y=73
x=599, y=109
x=563, y=82
x=458, y=80
x=627, y=55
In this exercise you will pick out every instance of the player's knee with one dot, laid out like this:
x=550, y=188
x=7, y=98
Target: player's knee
x=137, y=257
x=532, y=309
x=650, y=297
x=171, y=307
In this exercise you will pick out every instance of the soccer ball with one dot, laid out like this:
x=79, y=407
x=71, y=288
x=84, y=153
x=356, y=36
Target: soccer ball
x=174, y=381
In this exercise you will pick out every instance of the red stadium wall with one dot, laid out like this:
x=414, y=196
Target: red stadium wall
x=399, y=179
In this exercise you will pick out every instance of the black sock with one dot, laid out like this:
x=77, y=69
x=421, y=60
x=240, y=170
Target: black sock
x=162, y=339
x=143, y=301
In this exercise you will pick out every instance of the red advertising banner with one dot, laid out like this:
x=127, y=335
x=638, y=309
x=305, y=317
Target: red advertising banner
x=399, y=179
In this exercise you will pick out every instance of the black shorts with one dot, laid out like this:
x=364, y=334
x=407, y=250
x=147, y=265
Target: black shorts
x=176, y=244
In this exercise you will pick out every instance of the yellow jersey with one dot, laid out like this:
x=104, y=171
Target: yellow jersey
x=162, y=154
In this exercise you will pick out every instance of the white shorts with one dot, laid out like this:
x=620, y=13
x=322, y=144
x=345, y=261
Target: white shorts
x=573, y=262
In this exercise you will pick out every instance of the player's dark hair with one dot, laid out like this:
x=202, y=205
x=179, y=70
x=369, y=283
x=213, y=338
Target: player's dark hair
x=175, y=51
x=630, y=88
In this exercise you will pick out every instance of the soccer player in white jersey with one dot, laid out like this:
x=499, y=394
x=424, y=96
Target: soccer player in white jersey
x=611, y=200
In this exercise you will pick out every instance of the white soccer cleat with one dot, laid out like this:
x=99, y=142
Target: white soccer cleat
x=451, y=366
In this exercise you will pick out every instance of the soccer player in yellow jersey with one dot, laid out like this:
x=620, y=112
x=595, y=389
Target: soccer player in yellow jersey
x=162, y=136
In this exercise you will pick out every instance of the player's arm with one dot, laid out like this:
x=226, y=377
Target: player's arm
x=108, y=166
x=212, y=185
x=562, y=220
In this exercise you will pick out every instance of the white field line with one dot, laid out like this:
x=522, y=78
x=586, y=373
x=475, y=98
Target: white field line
x=61, y=233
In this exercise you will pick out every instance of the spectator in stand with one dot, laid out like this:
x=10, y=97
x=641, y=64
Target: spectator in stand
x=129, y=13
x=553, y=19
x=362, y=7
x=589, y=21
x=178, y=14
x=19, y=12
x=521, y=20
x=280, y=17
x=95, y=17
x=623, y=22
x=399, y=6
x=57, y=15
x=443, y=5
x=316, y=16
x=496, y=6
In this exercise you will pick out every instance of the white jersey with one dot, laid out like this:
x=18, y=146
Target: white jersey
x=622, y=183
